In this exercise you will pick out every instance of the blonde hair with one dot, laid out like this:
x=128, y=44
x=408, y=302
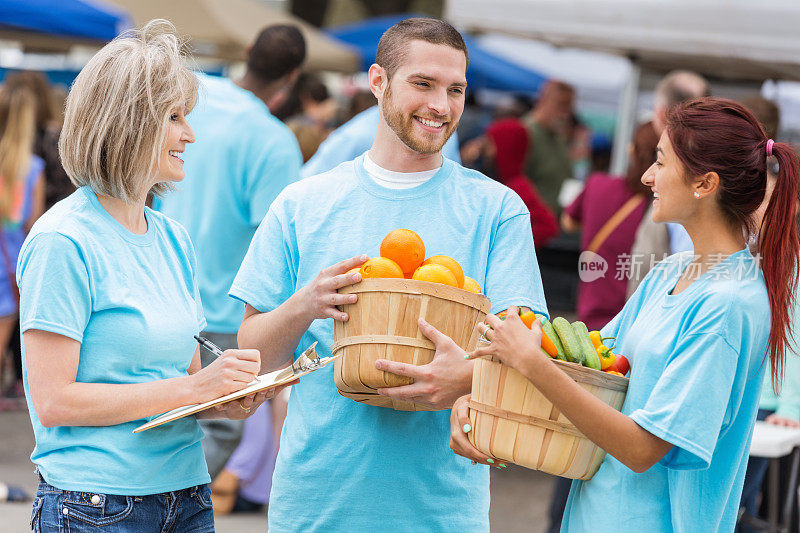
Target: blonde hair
x=118, y=110
x=17, y=128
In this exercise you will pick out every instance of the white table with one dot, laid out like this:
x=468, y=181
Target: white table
x=774, y=442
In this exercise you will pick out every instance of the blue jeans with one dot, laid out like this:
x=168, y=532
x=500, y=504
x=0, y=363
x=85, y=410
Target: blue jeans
x=186, y=510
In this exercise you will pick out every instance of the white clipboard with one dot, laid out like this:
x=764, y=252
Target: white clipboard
x=260, y=383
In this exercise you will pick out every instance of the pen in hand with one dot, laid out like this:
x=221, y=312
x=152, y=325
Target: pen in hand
x=208, y=345
x=216, y=350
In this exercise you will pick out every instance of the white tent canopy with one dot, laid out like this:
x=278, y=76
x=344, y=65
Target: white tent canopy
x=728, y=39
x=599, y=78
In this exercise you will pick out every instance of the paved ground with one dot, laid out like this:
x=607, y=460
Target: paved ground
x=519, y=496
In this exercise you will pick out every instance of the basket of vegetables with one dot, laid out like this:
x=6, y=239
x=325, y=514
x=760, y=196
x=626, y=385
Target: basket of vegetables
x=514, y=422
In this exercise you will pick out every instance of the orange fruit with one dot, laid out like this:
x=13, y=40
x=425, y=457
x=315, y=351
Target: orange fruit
x=435, y=274
x=471, y=285
x=450, y=263
x=405, y=248
x=353, y=270
x=381, y=267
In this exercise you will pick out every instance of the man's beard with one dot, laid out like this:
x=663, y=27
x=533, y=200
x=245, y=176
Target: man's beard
x=403, y=127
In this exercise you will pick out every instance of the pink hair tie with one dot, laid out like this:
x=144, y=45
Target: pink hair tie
x=770, y=142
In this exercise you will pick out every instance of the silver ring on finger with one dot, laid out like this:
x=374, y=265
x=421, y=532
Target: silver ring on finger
x=484, y=340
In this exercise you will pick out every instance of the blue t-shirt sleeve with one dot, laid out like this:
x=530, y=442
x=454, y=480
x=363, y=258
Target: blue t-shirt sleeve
x=688, y=405
x=272, y=170
x=512, y=273
x=55, y=289
x=267, y=276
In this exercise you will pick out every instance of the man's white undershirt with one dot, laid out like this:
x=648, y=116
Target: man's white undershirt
x=396, y=180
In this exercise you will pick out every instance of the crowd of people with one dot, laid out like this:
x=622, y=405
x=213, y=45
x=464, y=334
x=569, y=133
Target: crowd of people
x=172, y=203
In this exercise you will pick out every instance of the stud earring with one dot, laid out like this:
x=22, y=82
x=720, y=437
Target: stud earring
x=697, y=194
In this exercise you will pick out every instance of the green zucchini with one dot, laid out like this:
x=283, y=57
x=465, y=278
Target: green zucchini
x=572, y=347
x=590, y=357
x=548, y=330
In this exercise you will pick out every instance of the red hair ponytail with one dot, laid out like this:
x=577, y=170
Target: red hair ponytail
x=778, y=245
x=722, y=136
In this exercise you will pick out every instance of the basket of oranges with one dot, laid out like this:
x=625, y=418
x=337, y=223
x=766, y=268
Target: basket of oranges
x=397, y=289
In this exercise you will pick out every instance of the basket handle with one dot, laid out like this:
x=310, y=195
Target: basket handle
x=559, y=427
x=382, y=339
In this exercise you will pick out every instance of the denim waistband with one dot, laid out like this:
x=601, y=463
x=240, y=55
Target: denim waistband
x=44, y=486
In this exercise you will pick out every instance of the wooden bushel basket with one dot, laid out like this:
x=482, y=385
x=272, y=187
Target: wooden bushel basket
x=513, y=421
x=382, y=324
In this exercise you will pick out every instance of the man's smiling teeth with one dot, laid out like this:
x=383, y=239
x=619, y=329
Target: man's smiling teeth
x=430, y=123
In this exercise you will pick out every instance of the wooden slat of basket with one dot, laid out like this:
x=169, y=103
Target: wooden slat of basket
x=530, y=440
x=501, y=429
x=405, y=306
x=352, y=354
x=375, y=306
x=486, y=395
x=473, y=338
x=561, y=447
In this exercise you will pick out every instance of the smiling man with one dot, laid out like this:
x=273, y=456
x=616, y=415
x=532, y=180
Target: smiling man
x=342, y=465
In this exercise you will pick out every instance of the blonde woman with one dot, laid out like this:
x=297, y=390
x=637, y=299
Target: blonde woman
x=21, y=196
x=109, y=307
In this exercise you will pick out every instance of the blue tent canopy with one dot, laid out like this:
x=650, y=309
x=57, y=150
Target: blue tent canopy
x=486, y=70
x=65, y=18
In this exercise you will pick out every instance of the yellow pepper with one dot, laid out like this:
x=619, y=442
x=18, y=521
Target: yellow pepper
x=606, y=357
x=597, y=338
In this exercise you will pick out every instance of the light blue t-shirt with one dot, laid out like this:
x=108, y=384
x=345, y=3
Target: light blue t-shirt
x=697, y=362
x=355, y=137
x=345, y=466
x=242, y=159
x=131, y=301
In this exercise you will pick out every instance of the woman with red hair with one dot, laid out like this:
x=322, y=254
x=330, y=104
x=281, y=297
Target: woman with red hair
x=696, y=331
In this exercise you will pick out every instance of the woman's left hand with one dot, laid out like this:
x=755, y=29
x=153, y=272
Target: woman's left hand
x=244, y=407
x=512, y=342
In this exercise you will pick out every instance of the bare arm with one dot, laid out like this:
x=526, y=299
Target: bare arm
x=60, y=400
x=616, y=433
x=569, y=224
x=276, y=334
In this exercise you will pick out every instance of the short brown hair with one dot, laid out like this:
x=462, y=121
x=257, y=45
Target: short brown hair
x=394, y=42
